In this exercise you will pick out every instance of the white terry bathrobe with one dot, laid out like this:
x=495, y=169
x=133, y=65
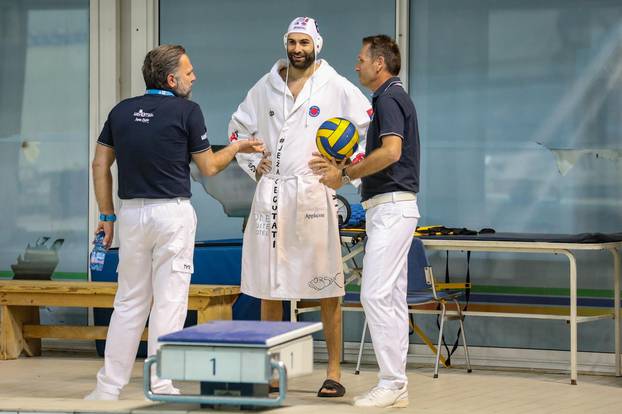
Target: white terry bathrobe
x=291, y=244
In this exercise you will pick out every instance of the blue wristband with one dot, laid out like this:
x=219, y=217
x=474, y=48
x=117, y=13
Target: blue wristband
x=107, y=217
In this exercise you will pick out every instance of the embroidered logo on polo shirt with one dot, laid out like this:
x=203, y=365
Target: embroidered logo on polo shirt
x=142, y=116
x=204, y=137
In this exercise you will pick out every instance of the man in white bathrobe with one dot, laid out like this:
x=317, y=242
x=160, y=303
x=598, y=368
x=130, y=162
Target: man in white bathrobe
x=291, y=242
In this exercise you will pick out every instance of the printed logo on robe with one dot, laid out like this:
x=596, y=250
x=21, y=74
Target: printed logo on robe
x=271, y=113
x=321, y=282
x=262, y=223
x=370, y=112
x=311, y=216
x=359, y=157
x=314, y=111
x=234, y=136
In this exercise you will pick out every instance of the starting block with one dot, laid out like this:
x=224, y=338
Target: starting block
x=233, y=360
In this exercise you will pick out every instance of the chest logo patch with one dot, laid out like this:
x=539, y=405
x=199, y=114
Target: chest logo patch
x=142, y=116
x=271, y=113
x=314, y=111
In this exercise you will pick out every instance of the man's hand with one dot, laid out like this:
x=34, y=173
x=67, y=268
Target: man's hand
x=329, y=170
x=250, y=145
x=211, y=163
x=108, y=228
x=264, y=166
x=102, y=181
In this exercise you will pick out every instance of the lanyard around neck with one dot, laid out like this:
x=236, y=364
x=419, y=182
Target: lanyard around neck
x=159, y=92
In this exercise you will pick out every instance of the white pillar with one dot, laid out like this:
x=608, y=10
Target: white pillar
x=402, y=34
x=104, y=86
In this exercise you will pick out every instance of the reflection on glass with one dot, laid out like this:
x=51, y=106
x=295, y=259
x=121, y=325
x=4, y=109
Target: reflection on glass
x=44, y=138
x=520, y=108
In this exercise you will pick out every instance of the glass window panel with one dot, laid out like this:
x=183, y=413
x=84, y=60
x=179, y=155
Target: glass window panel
x=44, y=57
x=519, y=107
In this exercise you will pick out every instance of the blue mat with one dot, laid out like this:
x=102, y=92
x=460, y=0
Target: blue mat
x=237, y=332
x=357, y=216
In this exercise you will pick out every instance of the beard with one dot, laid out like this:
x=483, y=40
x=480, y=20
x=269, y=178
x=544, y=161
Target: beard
x=183, y=91
x=185, y=95
x=304, y=64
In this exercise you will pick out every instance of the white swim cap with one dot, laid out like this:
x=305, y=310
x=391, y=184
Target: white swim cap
x=306, y=25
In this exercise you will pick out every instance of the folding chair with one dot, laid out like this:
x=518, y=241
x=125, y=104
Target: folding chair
x=423, y=289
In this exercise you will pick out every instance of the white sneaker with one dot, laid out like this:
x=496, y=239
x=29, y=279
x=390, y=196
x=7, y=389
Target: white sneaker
x=383, y=397
x=170, y=390
x=97, y=395
x=167, y=390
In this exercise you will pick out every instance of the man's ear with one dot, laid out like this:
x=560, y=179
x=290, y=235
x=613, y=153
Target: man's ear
x=171, y=81
x=381, y=64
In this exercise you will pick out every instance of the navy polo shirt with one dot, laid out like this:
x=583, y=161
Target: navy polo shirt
x=394, y=114
x=153, y=137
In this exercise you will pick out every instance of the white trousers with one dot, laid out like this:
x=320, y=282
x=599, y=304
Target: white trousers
x=390, y=227
x=156, y=245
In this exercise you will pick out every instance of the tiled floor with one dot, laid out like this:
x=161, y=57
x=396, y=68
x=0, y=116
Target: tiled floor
x=57, y=383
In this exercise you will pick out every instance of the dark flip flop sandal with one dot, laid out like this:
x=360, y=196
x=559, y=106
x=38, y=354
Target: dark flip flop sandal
x=331, y=385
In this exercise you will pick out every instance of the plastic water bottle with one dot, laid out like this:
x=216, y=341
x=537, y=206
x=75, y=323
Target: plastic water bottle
x=98, y=255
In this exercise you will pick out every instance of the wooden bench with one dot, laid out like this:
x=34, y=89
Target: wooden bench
x=20, y=330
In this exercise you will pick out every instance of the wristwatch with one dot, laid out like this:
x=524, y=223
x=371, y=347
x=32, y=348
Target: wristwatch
x=107, y=217
x=345, y=178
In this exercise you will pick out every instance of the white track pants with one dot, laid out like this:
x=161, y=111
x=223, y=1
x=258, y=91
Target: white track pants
x=156, y=245
x=390, y=227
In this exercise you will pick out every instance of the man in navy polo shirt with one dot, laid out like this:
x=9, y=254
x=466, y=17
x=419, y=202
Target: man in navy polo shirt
x=390, y=176
x=152, y=137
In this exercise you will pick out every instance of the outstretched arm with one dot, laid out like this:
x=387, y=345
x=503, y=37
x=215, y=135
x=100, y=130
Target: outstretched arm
x=211, y=163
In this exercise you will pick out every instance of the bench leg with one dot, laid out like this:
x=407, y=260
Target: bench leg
x=218, y=308
x=12, y=341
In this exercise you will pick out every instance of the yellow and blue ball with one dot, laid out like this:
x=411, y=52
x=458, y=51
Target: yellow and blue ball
x=337, y=138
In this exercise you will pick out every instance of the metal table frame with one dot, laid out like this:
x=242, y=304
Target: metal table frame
x=539, y=247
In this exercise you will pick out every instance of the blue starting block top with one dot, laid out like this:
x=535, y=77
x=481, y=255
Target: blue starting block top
x=242, y=333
